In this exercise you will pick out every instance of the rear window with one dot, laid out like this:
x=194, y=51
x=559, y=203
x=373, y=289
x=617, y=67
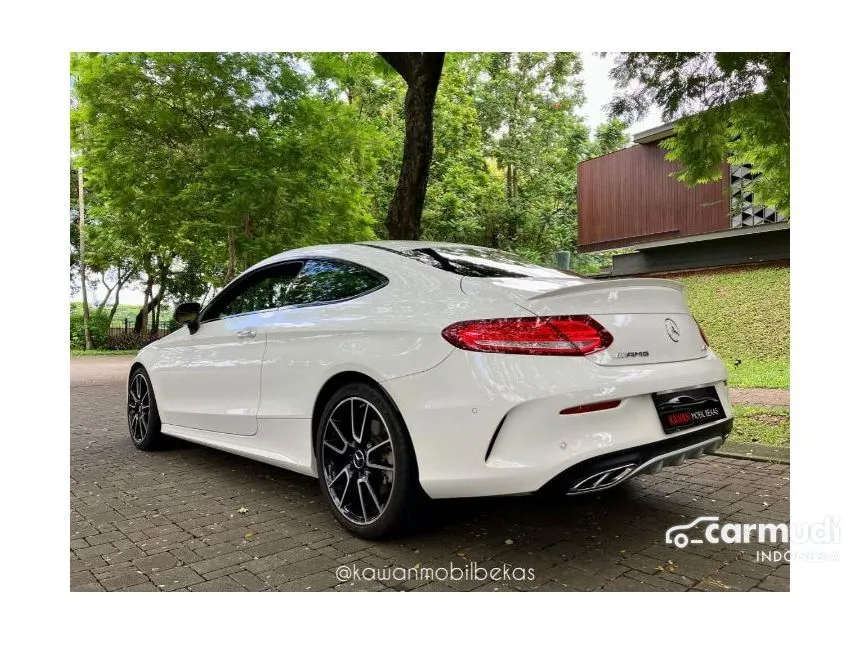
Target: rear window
x=478, y=262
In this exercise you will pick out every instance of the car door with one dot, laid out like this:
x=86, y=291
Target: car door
x=210, y=379
x=321, y=327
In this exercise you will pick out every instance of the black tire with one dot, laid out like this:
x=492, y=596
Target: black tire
x=144, y=423
x=390, y=476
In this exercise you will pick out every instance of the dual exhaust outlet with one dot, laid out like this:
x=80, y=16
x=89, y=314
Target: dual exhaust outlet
x=610, y=477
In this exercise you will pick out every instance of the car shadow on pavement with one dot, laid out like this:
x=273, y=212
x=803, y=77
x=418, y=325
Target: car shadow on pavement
x=584, y=519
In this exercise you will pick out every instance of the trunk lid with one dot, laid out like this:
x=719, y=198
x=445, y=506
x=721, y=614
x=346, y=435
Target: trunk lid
x=647, y=317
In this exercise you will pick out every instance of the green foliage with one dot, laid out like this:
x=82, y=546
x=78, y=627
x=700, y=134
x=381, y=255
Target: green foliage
x=609, y=137
x=128, y=341
x=198, y=165
x=98, y=330
x=746, y=315
x=733, y=106
x=205, y=163
x=122, y=312
x=762, y=424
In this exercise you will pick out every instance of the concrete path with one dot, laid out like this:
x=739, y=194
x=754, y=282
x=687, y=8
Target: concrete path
x=759, y=396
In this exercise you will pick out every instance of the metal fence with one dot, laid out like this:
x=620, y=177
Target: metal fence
x=126, y=326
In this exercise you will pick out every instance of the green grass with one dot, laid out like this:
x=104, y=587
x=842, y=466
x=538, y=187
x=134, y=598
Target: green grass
x=103, y=352
x=745, y=314
x=759, y=373
x=761, y=424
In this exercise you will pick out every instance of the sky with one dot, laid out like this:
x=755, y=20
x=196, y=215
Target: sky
x=598, y=89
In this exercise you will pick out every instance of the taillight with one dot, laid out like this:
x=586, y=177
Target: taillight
x=551, y=335
x=702, y=332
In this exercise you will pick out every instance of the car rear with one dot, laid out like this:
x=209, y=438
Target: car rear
x=584, y=384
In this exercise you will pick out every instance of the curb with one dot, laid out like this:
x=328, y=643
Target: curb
x=755, y=452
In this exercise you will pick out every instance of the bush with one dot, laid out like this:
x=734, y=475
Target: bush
x=99, y=333
x=130, y=340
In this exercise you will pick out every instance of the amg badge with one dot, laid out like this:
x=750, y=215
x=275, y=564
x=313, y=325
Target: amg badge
x=631, y=354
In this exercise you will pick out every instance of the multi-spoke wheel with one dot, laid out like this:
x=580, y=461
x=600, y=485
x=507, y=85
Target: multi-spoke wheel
x=144, y=424
x=364, y=461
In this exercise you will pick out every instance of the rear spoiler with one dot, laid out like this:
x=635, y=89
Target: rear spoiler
x=618, y=283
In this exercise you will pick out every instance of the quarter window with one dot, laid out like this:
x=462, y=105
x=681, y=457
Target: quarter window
x=329, y=280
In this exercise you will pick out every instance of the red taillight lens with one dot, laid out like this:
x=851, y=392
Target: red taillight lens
x=702, y=332
x=551, y=335
x=591, y=407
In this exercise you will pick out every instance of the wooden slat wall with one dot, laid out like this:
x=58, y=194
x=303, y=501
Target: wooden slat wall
x=629, y=196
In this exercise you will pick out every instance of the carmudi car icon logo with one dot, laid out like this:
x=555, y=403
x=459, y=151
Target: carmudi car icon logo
x=677, y=534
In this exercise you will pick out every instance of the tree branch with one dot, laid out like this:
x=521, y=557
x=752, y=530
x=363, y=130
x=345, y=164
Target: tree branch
x=404, y=63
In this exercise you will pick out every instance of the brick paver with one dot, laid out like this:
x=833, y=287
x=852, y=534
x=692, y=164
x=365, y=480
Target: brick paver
x=170, y=520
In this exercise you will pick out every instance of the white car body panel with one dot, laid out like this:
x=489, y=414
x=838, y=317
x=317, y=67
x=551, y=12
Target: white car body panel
x=211, y=380
x=256, y=396
x=452, y=428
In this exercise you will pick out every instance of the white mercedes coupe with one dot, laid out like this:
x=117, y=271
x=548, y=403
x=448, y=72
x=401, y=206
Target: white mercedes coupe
x=398, y=370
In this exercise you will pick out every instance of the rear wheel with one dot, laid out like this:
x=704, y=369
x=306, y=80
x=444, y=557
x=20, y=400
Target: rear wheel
x=366, y=468
x=144, y=424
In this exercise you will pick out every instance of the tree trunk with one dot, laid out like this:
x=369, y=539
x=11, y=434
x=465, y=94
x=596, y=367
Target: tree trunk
x=147, y=311
x=248, y=233
x=422, y=72
x=88, y=339
x=231, y=256
x=140, y=319
x=114, y=306
x=121, y=280
x=102, y=304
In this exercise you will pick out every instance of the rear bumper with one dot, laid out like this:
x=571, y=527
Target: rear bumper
x=489, y=424
x=614, y=468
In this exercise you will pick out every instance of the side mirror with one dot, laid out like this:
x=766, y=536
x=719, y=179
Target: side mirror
x=188, y=313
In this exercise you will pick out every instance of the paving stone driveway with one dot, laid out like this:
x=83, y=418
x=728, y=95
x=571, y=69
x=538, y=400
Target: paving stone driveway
x=171, y=521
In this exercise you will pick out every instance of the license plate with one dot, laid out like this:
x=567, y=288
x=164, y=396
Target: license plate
x=684, y=409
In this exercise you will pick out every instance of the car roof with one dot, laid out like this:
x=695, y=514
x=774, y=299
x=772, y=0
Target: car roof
x=348, y=250
x=407, y=245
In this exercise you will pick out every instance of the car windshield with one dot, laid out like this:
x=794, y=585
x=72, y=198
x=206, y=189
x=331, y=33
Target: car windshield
x=480, y=262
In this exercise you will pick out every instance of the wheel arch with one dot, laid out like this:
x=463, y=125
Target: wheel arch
x=131, y=370
x=331, y=386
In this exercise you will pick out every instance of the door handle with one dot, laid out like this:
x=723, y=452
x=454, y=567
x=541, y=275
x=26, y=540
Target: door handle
x=247, y=333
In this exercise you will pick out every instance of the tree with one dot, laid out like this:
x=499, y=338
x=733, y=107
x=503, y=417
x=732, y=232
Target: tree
x=465, y=191
x=209, y=162
x=422, y=72
x=609, y=137
x=527, y=104
x=82, y=259
x=732, y=106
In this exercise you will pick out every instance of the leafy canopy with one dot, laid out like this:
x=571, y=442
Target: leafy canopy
x=198, y=165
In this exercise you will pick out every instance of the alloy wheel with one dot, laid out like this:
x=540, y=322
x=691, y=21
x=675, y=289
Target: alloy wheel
x=138, y=408
x=358, y=460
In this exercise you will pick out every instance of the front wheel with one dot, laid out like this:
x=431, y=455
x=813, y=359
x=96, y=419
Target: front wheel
x=144, y=424
x=366, y=468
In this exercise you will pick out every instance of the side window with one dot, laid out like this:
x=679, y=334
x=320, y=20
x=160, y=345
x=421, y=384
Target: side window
x=267, y=289
x=329, y=280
